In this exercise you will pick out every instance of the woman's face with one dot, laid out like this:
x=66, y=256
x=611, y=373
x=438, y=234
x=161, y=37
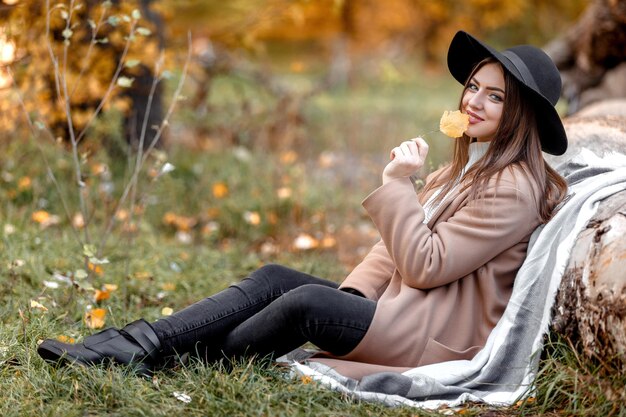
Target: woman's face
x=483, y=101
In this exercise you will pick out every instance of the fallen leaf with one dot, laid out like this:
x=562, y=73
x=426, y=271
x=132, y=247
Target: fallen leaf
x=184, y=237
x=252, y=217
x=121, y=215
x=181, y=396
x=166, y=168
x=44, y=218
x=95, y=319
x=167, y=311
x=78, y=221
x=453, y=123
x=15, y=264
x=210, y=228
x=220, y=190
x=95, y=268
x=66, y=339
x=181, y=223
x=101, y=295
x=51, y=284
x=305, y=242
x=24, y=184
x=142, y=275
x=99, y=168
x=283, y=193
x=37, y=305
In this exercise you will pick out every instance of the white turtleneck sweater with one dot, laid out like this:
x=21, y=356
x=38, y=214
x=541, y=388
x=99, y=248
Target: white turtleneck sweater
x=475, y=152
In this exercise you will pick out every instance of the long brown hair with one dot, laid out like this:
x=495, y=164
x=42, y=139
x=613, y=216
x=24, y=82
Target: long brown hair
x=516, y=141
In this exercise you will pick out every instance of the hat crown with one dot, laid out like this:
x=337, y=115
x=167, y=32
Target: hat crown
x=536, y=70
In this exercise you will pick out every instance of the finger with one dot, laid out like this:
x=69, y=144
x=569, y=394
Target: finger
x=412, y=146
x=422, y=146
x=406, y=149
x=418, y=141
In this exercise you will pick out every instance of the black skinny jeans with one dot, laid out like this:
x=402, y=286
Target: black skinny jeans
x=273, y=311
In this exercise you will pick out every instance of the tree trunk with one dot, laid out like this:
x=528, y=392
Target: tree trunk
x=590, y=308
x=591, y=54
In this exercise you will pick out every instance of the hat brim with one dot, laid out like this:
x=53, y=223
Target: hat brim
x=465, y=52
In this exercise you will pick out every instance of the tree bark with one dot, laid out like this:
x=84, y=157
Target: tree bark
x=591, y=55
x=590, y=308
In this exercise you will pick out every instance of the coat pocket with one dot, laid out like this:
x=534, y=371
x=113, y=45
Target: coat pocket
x=435, y=352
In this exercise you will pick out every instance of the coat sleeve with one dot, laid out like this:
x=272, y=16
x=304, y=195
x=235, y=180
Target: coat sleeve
x=372, y=275
x=501, y=217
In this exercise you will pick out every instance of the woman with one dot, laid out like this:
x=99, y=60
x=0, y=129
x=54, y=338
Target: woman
x=439, y=280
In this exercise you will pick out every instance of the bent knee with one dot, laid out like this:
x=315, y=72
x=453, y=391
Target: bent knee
x=272, y=270
x=309, y=298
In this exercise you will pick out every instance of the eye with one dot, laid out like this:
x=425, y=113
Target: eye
x=472, y=86
x=496, y=98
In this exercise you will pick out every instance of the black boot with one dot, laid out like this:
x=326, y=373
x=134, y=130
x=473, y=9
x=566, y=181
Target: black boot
x=135, y=344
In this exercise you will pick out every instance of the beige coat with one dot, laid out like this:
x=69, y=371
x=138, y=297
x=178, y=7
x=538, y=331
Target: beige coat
x=440, y=287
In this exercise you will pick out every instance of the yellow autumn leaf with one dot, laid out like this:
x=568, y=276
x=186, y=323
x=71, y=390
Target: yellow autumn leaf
x=167, y=311
x=24, y=183
x=252, y=217
x=101, y=295
x=37, y=305
x=95, y=268
x=179, y=222
x=453, y=123
x=220, y=190
x=121, y=215
x=142, y=275
x=45, y=219
x=284, y=193
x=95, y=319
x=66, y=339
x=40, y=216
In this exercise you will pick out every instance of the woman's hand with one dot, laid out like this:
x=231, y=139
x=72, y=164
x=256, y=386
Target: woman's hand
x=406, y=159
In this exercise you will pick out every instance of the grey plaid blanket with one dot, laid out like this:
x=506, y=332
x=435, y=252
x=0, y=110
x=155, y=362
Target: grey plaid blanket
x=504, y=370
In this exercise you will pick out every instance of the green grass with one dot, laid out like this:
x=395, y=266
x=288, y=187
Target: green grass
x=160, y=268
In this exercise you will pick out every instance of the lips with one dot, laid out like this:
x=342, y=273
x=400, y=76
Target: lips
x=473, y=117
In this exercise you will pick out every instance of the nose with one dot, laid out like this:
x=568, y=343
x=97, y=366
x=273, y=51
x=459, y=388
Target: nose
x=476, y=100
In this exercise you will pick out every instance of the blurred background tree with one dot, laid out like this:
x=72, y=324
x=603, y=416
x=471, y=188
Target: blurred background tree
x=338, y=37
x=369, y=27
x=88, y=40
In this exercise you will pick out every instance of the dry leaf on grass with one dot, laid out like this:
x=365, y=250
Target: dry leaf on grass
x=95, y=319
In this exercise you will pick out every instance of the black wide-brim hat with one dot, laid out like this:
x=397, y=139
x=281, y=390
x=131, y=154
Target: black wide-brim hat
x=535, y=71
